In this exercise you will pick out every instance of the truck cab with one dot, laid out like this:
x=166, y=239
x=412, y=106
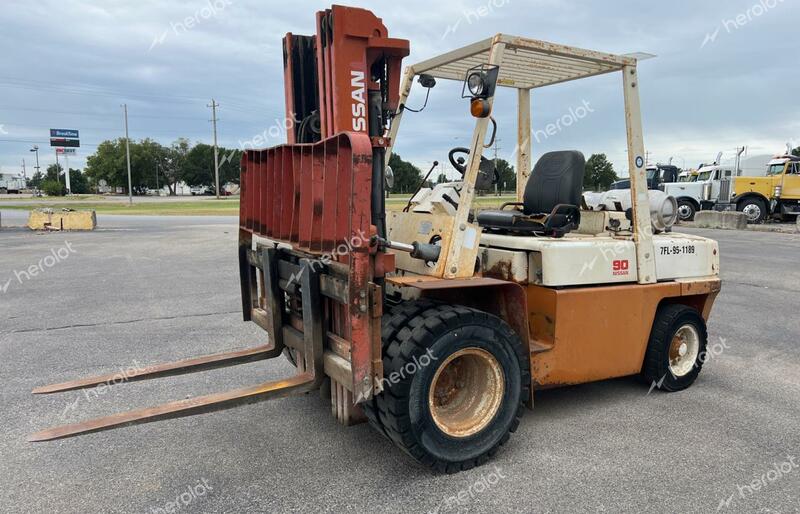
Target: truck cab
x=657, y=174
x=776, y=193
x=700, y=191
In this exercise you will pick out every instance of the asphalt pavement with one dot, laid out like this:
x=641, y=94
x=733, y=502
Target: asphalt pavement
x=142, y=290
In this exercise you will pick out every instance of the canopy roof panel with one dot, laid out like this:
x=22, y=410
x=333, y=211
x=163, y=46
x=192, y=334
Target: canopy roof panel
x=526, y=63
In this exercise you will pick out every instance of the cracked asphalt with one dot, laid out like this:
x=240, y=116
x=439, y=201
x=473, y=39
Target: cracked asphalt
x=142, y=290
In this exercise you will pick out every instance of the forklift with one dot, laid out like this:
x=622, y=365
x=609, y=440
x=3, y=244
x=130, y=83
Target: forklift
x=437, y=324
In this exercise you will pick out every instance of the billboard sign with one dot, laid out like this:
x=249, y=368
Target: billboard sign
x=65, y=143
x=70, y=133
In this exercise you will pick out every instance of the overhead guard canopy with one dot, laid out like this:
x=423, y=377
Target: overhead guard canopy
x=527, y=63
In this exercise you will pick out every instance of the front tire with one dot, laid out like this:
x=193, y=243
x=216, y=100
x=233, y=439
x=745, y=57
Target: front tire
x=754, y=208
x=676, y=350
x=455, y=383
x=686, y=210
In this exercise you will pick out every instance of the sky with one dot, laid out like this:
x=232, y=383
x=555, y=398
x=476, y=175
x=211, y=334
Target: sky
x=725, y=75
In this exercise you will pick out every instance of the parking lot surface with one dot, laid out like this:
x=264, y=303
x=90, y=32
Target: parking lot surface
x=142, y=290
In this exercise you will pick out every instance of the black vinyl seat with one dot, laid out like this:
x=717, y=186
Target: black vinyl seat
x=552, y=199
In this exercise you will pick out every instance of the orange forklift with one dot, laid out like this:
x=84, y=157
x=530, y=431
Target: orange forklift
x=437, y=324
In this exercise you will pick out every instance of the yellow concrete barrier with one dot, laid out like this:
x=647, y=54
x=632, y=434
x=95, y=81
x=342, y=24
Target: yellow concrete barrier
x=48, y=219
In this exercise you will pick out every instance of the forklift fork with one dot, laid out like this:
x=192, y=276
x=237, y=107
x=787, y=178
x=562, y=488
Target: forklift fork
x=307, y=344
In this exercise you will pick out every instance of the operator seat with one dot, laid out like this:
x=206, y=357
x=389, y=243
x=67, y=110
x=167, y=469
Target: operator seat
x=550, y=205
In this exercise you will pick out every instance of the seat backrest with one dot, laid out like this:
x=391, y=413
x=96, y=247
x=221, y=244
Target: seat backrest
x=556, y=179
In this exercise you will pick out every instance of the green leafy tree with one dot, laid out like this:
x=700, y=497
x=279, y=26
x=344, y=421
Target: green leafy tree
x=147, y=162
x=53, y=188
x=508, y=176
x=174, y=163
x=406, y=176
x=796, y=151
x=599, y=173
x=198, y=168
x=36, y=180
x=229, y=165
x=54, y=172
x=108, y=163
x=148, y=165
x=78, y=183
x=54, y=183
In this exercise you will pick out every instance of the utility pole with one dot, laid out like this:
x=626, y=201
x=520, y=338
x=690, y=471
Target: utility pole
x=128, y=155
x=66, y=174
x=157, y=189
x=214, y=106
x=24, y=173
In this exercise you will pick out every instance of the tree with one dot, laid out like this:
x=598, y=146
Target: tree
x=54, y=183
x=198, y=169
x=154, y=166
x=199, y=166
x=796, y=151
x=53, y=188
x=54, y=172
x=508, y=176
x=36, y=180
x=108, y=163
x=599, y=173
x=229, y=165
x=407, y=177
x=174, y=162
x=78, y=183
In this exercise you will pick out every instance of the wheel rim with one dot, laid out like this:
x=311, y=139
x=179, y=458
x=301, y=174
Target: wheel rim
x=466, y=392
x=684, y=211
x=753, y=211
x=683, y=350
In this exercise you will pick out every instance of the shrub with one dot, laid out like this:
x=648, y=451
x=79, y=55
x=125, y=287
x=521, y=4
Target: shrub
x=54, y=188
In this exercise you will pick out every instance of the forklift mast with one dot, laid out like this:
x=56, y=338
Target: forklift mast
x=322, y=194
x=346, y=78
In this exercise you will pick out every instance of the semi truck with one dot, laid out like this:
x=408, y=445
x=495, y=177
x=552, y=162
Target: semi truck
x=775, y=194
x=711, y=184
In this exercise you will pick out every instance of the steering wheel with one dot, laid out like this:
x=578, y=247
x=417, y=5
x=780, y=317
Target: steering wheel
x=487, y=171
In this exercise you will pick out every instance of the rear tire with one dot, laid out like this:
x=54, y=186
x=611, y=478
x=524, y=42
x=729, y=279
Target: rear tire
x=677, y=348
x=455, y=383
x=754, y=208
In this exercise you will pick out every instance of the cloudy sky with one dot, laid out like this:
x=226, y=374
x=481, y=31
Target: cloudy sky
x=726, y=74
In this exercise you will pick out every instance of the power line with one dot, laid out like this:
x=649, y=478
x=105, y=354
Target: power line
x=94, y=91
x=37, y=142
x=114, y=116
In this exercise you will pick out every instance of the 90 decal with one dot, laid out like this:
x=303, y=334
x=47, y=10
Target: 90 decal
x=620, y=267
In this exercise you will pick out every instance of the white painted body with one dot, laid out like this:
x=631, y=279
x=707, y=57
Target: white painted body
x=434, y=201
x=580, y=259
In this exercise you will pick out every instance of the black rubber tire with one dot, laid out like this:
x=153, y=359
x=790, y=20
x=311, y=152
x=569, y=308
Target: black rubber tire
x=391, y=323
x=655, y=370
x=401, y=411
x=690, y=206
x=753, y=201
